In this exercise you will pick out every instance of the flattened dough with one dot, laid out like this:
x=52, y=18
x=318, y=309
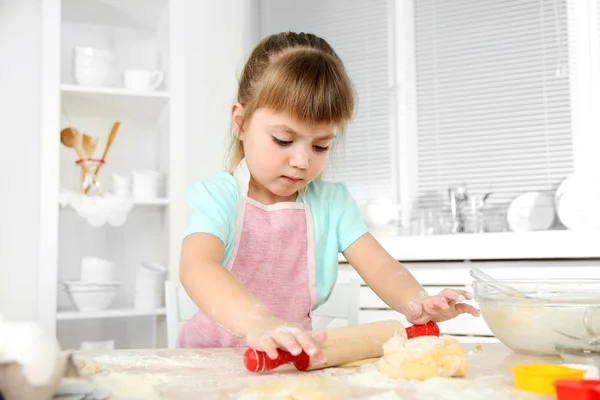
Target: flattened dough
x=423, y=357
x=303, y=388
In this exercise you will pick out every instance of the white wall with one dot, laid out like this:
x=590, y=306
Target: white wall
x=219, y=36
x=20, y=111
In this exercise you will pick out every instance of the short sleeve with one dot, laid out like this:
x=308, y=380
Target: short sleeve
x=349, y=222
x=213, y=202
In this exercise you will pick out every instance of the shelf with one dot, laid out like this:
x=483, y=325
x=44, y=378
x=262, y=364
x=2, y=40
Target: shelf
x=157, y=202
x=118, y=13
x=151, y=202
x=565, y=244
x=115, y=313
x=113, y=102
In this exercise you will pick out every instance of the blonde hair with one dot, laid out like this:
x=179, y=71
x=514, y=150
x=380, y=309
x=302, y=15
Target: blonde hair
x=298, y=74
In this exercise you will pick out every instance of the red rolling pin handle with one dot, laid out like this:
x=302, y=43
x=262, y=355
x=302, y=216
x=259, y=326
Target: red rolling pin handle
x=428, y=329
x=259, y=361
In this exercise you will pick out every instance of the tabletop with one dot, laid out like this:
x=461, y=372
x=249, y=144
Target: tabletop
x=182, y=374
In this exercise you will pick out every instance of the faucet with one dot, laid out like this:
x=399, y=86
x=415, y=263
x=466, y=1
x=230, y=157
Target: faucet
x=462, y=203
x=458, y=200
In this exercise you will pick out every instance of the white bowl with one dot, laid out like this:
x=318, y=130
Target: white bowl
x=558, y=314
x=144, y=192
x=92, y=52
x=379, y=212
x=94, y=299
x=90, y=286
x=100, y=345
x=96, y=76
x=97, y=270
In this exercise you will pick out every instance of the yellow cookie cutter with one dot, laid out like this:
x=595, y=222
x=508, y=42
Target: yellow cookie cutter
x=539, y=378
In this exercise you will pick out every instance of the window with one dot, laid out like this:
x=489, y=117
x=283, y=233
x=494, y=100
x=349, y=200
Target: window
x=493, y=97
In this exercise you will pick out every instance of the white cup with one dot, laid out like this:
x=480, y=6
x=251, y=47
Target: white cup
x=142, y=79
x=152, y=270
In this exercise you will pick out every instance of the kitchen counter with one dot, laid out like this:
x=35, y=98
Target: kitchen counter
x=558, y=244
x=220, y=374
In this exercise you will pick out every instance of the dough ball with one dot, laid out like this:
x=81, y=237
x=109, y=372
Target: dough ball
x=423, y=358
x=87, y=367
x=304, y=388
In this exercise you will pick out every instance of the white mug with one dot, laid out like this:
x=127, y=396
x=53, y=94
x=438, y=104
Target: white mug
x=142, y=79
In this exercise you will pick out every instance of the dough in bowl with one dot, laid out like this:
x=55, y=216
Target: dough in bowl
x=423, y=357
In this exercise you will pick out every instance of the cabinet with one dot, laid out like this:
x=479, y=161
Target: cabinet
x=141, y=35
x=437, y=275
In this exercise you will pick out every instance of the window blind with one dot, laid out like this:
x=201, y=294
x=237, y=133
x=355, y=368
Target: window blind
x=493, y=97
x=360, y=32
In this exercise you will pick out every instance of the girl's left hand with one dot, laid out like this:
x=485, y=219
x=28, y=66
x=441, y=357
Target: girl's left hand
x=442, y=307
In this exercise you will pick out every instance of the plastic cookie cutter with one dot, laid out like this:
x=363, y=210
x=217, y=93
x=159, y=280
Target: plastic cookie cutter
x=577, y=390
x=540, y=378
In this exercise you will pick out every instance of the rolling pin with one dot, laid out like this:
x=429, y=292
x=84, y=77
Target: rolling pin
x=342, y=346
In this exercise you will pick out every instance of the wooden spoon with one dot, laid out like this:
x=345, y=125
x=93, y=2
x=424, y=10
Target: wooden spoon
x=71, y=138
x=109, y=143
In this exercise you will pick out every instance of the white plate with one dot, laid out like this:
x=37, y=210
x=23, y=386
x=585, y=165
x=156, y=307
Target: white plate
x=577, y=202
x=530, y=211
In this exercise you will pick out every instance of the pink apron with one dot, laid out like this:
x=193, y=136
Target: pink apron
x=273, y=258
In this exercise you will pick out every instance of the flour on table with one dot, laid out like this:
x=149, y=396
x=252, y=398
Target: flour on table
x=133, y=386
x=148, y=361
x=366, y=376
x=423, y=358
x=303, y=388
x=391, y=395
x=453, y=389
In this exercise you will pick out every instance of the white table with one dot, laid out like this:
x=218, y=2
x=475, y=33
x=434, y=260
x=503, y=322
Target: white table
x=220, y=374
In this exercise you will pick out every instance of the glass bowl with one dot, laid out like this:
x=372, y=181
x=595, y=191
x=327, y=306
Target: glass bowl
x=556, y=316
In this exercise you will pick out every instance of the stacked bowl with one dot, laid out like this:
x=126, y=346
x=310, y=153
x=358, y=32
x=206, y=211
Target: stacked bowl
x=96, y=289
x=150, y=286
x=92, y=66
x=146, y=184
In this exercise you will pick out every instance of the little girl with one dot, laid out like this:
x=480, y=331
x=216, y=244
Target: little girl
x=261, y=248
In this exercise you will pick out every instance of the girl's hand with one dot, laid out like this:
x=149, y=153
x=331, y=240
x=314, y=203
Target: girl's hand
x=442, y=307
x=270, y=333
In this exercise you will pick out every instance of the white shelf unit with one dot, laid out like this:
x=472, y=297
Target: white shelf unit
x=142, y=35
x=114, y=313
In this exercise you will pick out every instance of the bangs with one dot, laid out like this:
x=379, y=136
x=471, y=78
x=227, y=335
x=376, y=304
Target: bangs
x=308, y=85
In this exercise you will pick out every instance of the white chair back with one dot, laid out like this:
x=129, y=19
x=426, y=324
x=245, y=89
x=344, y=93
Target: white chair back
x=342, y=304
x=180, y=308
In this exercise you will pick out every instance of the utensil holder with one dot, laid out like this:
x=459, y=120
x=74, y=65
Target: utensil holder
x=87, y=181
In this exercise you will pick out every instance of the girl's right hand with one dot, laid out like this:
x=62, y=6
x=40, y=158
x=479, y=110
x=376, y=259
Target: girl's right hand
x=270, y=333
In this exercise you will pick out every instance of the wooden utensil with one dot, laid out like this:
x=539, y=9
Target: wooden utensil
x=342, y=346
x=71, y=138
x=88, y=144
x=109, y=142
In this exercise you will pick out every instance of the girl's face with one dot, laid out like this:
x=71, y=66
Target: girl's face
x=282, y=153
